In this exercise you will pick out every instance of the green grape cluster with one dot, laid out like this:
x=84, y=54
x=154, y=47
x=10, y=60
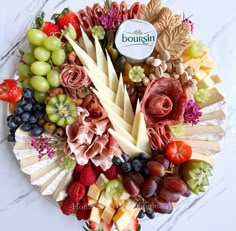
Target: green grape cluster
x=40, y=63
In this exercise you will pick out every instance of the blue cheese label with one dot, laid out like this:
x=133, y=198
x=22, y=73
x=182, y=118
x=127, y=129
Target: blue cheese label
x=136, y=39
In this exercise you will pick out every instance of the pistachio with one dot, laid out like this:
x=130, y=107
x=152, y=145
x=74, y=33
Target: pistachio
x=152, y=76
x=179, y=68
x=170, y=67
x=165, y=55
x=159, y=72
x=166, y=75
x=156, y=62
x=190, y=71
x=164, y=66
x=184, y=76
x=146, y=81
x=149, y=60
x=175, y=75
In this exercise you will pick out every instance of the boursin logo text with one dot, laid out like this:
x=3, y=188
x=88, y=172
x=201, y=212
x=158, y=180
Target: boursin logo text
x=137, y=37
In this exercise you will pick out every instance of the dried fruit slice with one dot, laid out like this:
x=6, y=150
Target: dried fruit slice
x=195, y=174
x=61, y=110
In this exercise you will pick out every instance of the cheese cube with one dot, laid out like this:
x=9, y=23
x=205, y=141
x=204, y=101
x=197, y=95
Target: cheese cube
x=121, y=219
x=108, y=214
x=130, y=205
x=125, y=195
x=207, y=63
x=91, y=201
x=195, y=63
x=205, y=83
x=94, y=192
x=104, y=200
x=136, y=212
x=95, y=215
x=216, y=78
x=102, y=181
x=118, y=202
x=199, y=75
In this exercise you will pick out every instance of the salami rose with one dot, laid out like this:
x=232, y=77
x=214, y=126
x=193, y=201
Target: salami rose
x=74, y=76
x=163, y=101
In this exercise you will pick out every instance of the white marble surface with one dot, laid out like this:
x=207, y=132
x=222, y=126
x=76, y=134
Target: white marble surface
x=23, y=208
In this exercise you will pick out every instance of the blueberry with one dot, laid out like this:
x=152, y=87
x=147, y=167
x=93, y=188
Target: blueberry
x=37, y=131
x=18, y=119
x=150, y=213
x=141, y=214
x=38, y=114
x=28, y=93
x=125, y=157
x=12, y=124
x=11, y=138
x=28, y=107
x=22, y=103
x=25, y=116
x=12, y=130
x=26, y=127
x=19, y=110
x=142, y=156
x=116, y=160
x=126, y=167
x=136, y=165
x=34, y=125
x=38, y=107
x=144, y=172
x=10, y=118
x=33, y=119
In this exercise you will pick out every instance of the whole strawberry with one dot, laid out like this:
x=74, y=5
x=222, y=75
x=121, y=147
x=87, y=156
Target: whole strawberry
x=49, y=28
x=65, y=18
x=10, y=90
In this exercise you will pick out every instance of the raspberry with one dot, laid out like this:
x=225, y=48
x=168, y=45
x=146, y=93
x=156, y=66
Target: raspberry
x=97, y=168
x=87, y=176
x=79, y=168
x=83, y=214
x=111, y=173
x=76, y=191
x=67, y=206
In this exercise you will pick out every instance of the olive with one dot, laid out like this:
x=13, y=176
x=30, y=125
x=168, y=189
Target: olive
x=59, y=132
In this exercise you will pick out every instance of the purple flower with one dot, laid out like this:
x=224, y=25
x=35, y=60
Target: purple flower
x=110, y=19
x=191, y=112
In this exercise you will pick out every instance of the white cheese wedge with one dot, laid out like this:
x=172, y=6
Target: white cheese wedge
x=112, y=76
x=128, y=110
x=205, y=83
x=216, y=115
x=120, y=93
x=90, y=49
x=100, y=57
x=31, y=160
x=203, y=129
x=199, y=156
x=23, y=150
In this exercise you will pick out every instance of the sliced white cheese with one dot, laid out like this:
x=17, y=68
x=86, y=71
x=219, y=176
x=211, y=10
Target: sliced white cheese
x=100, y=57
x=90, y=49
x=31, y=160
x=112, y=76
x=23, y=150
x=136, y=121
x=87, y=61
x=125, y=145
x=100, y=86
x=216, y=115
x=120, y=93
x=128, y=110
x=199, y=156
x=203, y=129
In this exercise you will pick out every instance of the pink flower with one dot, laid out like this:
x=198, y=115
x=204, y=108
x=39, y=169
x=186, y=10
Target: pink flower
x=191, y=112
x=110, y=19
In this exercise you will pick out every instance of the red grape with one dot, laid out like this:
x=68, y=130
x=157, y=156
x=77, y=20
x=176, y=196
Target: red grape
x=164, y=161
x=149, y=188
x=168, y=196
x=161, y=206
x=156, y=169
x=131, y=187
x=137, y=178
x=175, y=185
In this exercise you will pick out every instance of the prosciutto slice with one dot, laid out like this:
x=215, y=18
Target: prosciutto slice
x=85, y=21
x=123, y=11
x=134, y=10
x=163, y=101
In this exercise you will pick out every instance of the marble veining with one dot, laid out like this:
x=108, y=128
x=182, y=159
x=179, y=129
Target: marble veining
x=21, y=205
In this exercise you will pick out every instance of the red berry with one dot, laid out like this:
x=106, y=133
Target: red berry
x=68, y=206
x=79, y=168
x=76, y=191
x=83, y=214
x=111, y=173
x=87, y=176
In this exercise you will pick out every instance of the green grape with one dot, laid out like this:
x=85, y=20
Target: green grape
x=195, y=50
x=99, y=32
x=41, y=54
x=32, y=46
x=23, y=70
x=40, y=68
x=53, y=78
x=39, y=83
x=28, y=58
x=114, y=188
x=52, y=43
x=26, y=83
x=35, y=36
x=40, y=97
x=58, y=57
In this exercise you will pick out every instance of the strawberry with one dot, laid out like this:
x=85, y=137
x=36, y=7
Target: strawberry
x=178, y=152
x=87, y=176
x=68, y=206
x=76, y=191
x=49, y=28
x=133, y=225
x=65, y=18
x=100, y=226
x=111, y=172
x=10, y=90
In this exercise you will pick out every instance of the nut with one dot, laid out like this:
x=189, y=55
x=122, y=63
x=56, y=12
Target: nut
x=190, y=71
x=179, y=68
x=170, y=67
x=165, y=55
x=166, y=75
x=146, y=81
x=152, y=76
x=184, y=76
x=175, y=75
x=149, y=60
x=164, y=66
x=156, y=62
x=159, y=72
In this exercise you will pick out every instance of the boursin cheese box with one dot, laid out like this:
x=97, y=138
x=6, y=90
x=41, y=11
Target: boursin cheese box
x=136, y=39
